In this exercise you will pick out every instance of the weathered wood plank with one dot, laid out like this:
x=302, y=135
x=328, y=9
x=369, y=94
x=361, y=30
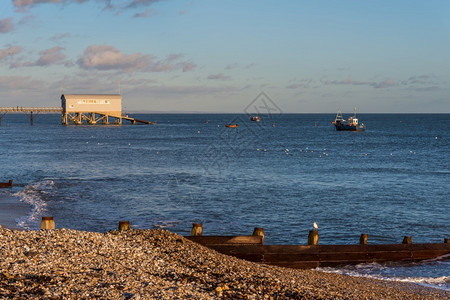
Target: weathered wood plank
x=295, y=265
x=310, y=256
x=6, y=184
x=223, y=240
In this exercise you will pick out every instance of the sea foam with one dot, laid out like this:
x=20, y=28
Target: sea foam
x=34, y=194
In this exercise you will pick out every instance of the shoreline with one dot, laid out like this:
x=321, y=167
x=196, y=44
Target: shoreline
x=159, y=264
x=12, y=209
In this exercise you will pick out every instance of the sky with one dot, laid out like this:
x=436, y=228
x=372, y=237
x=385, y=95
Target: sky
x=221, y=56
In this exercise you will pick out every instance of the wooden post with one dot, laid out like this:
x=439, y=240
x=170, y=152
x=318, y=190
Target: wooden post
x=363, y=239
x=47, y=223
x=259, y=231
x=197, y=229
x=407, y=240
x=447, y=241
x=313, y=237
x=124, y=225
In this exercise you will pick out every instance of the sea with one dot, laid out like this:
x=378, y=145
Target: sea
x=281, y=174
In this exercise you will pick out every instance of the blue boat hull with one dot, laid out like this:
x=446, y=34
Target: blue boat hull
x=342, y=127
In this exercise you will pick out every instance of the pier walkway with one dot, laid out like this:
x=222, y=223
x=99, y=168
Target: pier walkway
x=30, y=111
x=4, y=110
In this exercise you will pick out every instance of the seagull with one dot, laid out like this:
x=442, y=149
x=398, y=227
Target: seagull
x=315, y=226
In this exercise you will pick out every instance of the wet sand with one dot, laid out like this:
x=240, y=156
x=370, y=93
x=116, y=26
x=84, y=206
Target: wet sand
x=158, y=264
x=11, y=210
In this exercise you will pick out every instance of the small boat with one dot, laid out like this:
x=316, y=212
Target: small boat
x=351, y=124
x=255, y=118
x=6, y=184
x=231, y=125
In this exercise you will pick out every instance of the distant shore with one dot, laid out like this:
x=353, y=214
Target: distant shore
x=158, y=264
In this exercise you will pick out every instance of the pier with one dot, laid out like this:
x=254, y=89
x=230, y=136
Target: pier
x=30, y=111
x=81, y=109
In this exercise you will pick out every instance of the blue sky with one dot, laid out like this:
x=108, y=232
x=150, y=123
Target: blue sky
x=217, y=56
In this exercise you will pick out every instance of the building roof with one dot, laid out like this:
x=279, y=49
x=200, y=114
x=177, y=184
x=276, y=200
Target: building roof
x=91, y=96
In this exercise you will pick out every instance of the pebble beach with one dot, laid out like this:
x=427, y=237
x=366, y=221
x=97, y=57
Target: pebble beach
x=159, y=264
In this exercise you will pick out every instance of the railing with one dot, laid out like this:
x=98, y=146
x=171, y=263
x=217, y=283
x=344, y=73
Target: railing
x=30, y=109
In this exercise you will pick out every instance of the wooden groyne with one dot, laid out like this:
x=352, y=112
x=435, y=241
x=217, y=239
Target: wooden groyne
x=6, y=184
x=252, y=248
x=305, y=257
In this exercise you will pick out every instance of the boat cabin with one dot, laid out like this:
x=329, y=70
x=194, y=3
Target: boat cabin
x=353, y=121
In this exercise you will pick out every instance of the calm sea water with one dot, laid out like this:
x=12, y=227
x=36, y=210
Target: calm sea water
x=281, y=174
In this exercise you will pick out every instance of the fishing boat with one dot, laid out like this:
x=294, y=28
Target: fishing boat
x=255, y=118
x=352, y=124
x=231, y=125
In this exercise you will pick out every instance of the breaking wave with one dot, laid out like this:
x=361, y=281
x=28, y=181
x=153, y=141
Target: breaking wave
x=34, y=194
x=420, y=273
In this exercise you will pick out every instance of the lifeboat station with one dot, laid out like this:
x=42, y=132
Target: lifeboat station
x=94, y=109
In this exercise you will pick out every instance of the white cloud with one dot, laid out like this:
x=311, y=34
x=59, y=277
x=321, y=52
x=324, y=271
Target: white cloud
x=146, y=13
x=220, y=76
x=60, y=36
x=49, y=57
x=24, y=5
x=19, y=83
x=384, y=84
x=10, y=51
x=20, y=4
x=140, y=3
x=6, y=25
x=105, y=57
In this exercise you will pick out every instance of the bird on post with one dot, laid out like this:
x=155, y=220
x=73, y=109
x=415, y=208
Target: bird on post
x=315, y=226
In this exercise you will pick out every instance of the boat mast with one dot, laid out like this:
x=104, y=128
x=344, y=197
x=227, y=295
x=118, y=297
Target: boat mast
x=339, y=116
